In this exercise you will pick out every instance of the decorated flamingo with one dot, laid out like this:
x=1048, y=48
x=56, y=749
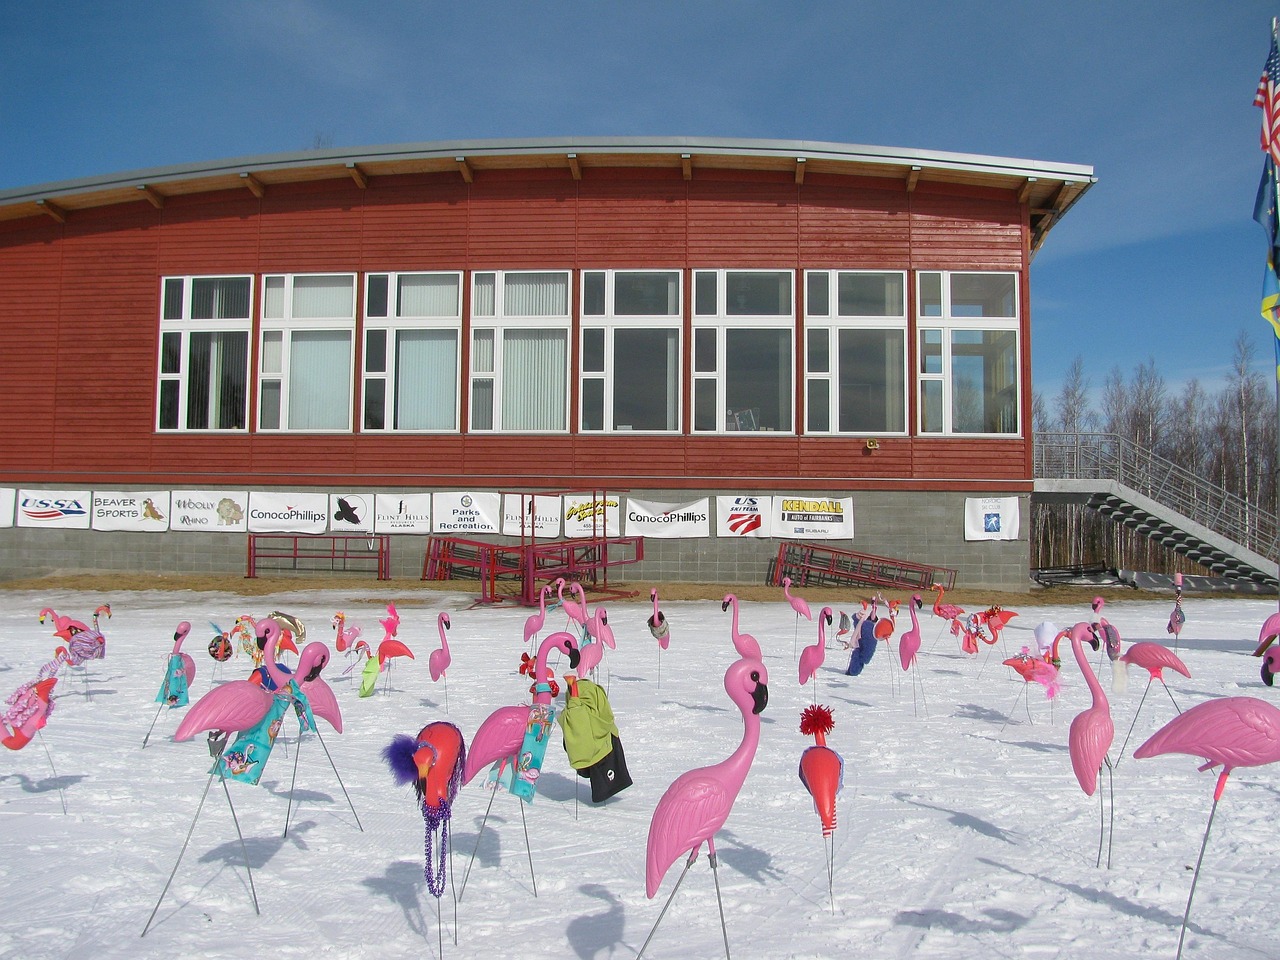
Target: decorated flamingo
x=698, y=802
x=1091, y=731
x=947, y=611
x=1109, y=635
x=1155, y=659
x=239, y=704
x=180, y=671
x=660, y=629
x=533, y=625
x=822, y=773
x=29, y=710
x=64, y=627
x=1032, y=669
x=1177, y=618
x=346, y=636
x=1230, y=732
x=744, y=643
x=812, y=656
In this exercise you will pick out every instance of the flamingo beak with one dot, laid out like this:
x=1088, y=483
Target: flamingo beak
x=760, y=698
x=724, y=606
x=574, y=658
x=1267, y=676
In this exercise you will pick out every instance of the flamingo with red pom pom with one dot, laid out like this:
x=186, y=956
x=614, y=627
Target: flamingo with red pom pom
x=822, y=773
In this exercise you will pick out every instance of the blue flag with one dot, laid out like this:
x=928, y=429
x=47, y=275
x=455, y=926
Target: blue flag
x=1264, y=211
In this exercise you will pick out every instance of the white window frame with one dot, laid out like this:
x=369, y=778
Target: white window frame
x=720, y=323
x=947, y=324
x=183, y=328
x=390, y=326
x=830, y=325
x=497, y=326
x=609, y=323
x=284, y=329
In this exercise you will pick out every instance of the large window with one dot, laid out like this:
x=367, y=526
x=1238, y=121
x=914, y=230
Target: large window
x=412, y=322
x=520, y=350
x=630, y=377
x=743, y=328
x=855, y=352
x=305, y=365
x=204, y=353
x=968, y=367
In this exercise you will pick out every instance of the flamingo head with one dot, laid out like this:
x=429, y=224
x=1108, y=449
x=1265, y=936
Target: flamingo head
x=1097, y=604
x=728, y=600
x=786, y=581
x=747, y=683
x=825, y=616
x=1270, y=665
x=431, y=761
x=918, y=601
x=339, y=620
x=443, y=620
x=314, y=658
x=183, y=629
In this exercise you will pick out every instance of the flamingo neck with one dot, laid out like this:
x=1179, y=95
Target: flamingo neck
x=738, y=764
x=1095, y=688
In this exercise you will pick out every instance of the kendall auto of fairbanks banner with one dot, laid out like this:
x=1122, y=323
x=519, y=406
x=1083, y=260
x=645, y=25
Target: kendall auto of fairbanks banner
x=813, y=518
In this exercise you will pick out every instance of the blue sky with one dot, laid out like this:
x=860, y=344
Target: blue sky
x=1160, y=261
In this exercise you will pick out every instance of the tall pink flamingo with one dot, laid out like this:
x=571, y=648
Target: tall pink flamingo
x=1091, y=730
x=533, y=625
x=909, y=643
x=346, y=636
x=744, y=643
x=699, y=801
x=29, y=710
x=439, y=660
x=812, y=656
x=1230, y=732
x=800, y=606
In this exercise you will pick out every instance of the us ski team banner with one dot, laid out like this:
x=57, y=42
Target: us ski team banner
x=529, y=514
x=813, y=518
x=466, y=512
x=668, y=520
x=8, y=499
x=63, y=509
x=351, y=512
x=288, y=512
x=139, y=511
x=991, y=518
x=740, y=517
x=221, y=511
x=592, y=516
x=402, y=513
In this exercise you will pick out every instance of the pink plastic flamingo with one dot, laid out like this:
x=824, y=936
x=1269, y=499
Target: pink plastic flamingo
x=1266, y=636
x=1109, y=635
x=699, y=802
x=391, y=622
x=188, y=665
x=439, y=660
x=105, y=608
x=798, y=604
x=313, y=659
x=1092, y=730
x=947, y=611
x=239, y=704
x=812, y=656
x=658, y=625
x=533, y=625
x=909, y=643
x=744, y=643
x=1155, y=659
x=1230, y=732
x=1176, y=617
x=29, y=710
x=347, y=636
x=574, y=610
x=65, y=627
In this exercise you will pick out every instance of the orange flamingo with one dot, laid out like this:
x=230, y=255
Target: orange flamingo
x=947, y=611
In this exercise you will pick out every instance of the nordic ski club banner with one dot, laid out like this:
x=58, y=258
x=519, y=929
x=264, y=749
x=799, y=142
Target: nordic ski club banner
x=8, y=499
x=351, y=512
x=466, y=512
x=668, y=520
x=592, y=516
x=288, y=512
x=744, y=517
x=529, y=514
x=813, y=518
x=402, y=513
x=220, y=511
x=991, y=518
x=64, y=509
x=147, y=510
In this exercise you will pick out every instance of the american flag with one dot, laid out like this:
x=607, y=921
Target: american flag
x=1268, y=98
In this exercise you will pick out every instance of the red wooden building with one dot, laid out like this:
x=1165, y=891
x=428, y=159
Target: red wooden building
x=672, y=318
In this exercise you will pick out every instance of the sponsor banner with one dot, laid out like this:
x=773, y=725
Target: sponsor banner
x=67, y=509
x=744, y=517
x=138, y=510
x=991, y=518
x=402, y=513
x=466, y=512
x=8, y=499
x=221, y=511
x=813, y=518
x=288, y=512
x=351, y=512
x=670, y=520
x=530, y=514
x=592, y=516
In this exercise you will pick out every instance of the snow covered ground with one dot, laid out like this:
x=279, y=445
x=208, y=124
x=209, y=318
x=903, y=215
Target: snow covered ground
x=962, y=831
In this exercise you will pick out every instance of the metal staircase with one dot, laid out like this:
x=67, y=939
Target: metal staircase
x=1132, y=486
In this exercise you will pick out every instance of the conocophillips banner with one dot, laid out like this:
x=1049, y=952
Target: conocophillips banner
x=531, y=514
x=402, y=513
x=991, y=518
x=813, y=518
x=65, y=509
x=288, y=512
x=744, y=517
x=117, y=510
x=669, y=520
x=592, y=516
x=216, y=510
x=466, y=512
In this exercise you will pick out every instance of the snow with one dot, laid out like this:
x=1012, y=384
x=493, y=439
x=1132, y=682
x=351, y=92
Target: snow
x=961, y=829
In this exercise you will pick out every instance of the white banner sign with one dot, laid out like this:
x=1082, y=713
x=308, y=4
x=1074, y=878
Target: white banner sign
x=813, y=518
x=67, y=509
x=529, y=514
x=592, y=517
x=351, y=512
x=402, y=513
x=118, y=510
x=744, y=517
x=991, y=518
x=288, y=512
x=466, y=512
x=668, y=520
x=221, y=511
x=8, y=499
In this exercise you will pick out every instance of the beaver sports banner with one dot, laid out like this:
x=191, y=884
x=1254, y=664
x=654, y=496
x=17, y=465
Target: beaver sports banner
x=813, y=518
x=466, y=512
x=749, y=517
x=64, y=509
x=669, y=520
x=531, y=515
x=221, y=511
x=402, y=513
x=288, y=512
x=593, y=516
x=141, y=511
x=991, y=518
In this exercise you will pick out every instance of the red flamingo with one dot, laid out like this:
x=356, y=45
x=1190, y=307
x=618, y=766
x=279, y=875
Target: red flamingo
x=947, y=611
x=1091, y=730
x=812, y=656
x=533, y=625
x=698, y=802
x=744, y=643
x=1230, y=732
x=909, y=644
x=29, y=711
x=391, y=622
x=439, y=660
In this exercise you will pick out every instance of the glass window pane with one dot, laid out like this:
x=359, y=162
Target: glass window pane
x=819, y=353
x=319, y=370
x=534, y=364
x=930, y=406
x=536, y=294
x=168, y=418
x=593, y=350
x=765, y=294
x=704, y=293
x=376, y=299
x=273, y=298
x=983, y=295
x=375, y=351
x=872, y=377
x=217, y=381
x=931, y=351
x=269, y=405
x=871, y=295
x=272, y=359
x=170, y=352
x=984, y=386
x=704, y=351
x=930, y=295
x=817, y=300
x=646, y=384
x=220, y=298
x=323, y=297
x=482, y=351
x=818, y=409
x=646, y=294
x=426, y=380
x=483, y=298
x=593, y=404
x=375, y=404
x=482, y=404
x=758, y=379
x=706, y=412
x=428, y=295
x=173, y=288
x=593, y=293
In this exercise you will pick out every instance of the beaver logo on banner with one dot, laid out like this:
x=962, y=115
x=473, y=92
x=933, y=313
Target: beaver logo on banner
x=117, y=510
x=530, y=515
x=813, y=518
x=465, y=512
x=288, y=512
x=991, y=518
x=351, y=512
x=218, y=510
x=65, y=509
x=592, y=516
x=670, y=520
x=402, y=513
x=744, y=517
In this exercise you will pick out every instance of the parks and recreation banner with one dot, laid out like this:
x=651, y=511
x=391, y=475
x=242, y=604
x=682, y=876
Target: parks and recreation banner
x=991, y=518
x=220, y=511
x=744, y=517
x=137, y=510
x=351, y=512
x=668, y=520
x=8, y=498
x=593, y=516
x=63, y=509
x=813, y=518
x=466, y=512
x=402, y=513
x=531, y=515
x=288, y=512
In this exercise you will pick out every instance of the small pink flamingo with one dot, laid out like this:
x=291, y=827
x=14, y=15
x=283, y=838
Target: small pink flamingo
x=1230, y=732
x=744, y=643
x=812, y=656
x=909, y=645
x=1109, y=634
x=1091, y=730
x=324, y=704
x=1177, y=618
x=576, y=611
x=947, y=611
x=439, y=660
x=698, y=802
x=658, y=625
x=801, y=608
x=391, y=622
x=533, y=625
x=347, y=636
x=29, y=710
x=598, y=629
x=188, y=665
x=1155, y=659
